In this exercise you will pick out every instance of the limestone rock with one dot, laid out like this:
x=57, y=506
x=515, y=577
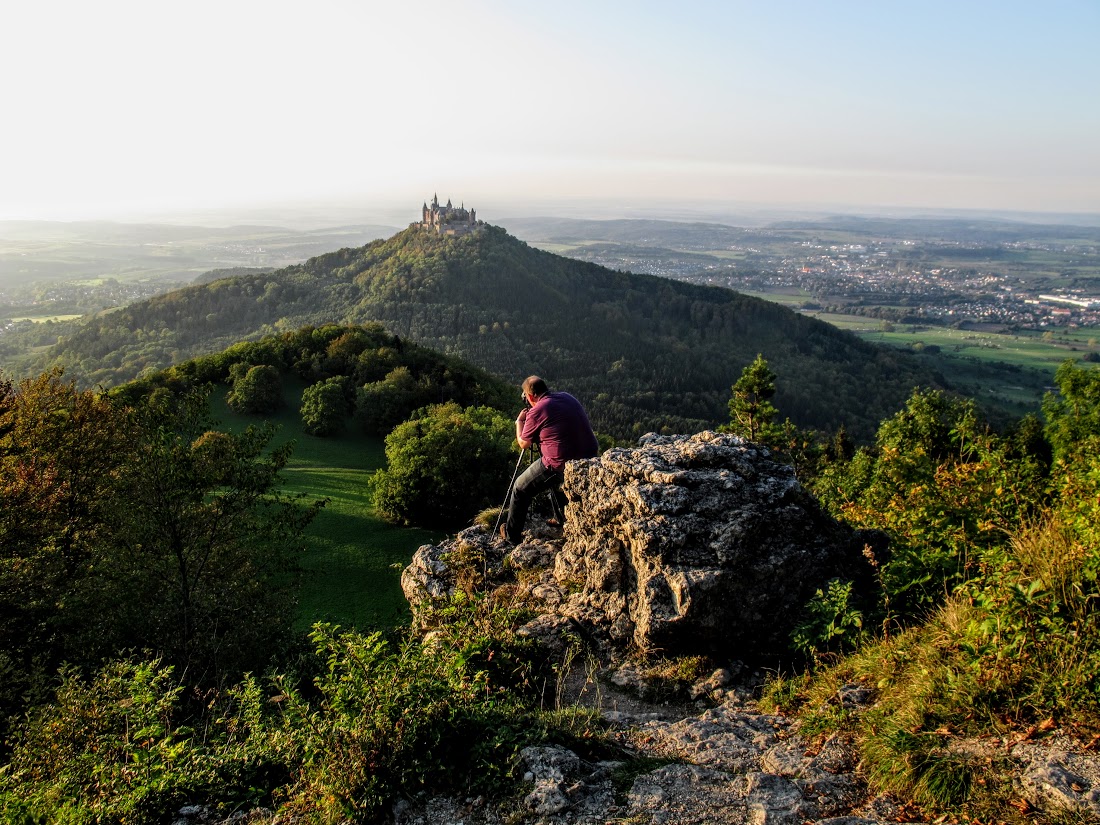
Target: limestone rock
x=1060, y=781
x=696, y=543
x=687, y=795
x=684, y=544
x=427, y=576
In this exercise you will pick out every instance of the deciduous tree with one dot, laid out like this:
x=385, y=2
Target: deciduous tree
x=256, y=390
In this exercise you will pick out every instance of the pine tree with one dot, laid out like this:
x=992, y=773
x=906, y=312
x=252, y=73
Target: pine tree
x=751, y=410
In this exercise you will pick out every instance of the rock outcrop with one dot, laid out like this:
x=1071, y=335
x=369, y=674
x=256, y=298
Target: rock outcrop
x=687, y=544
x=684, y=544
x=697, y=544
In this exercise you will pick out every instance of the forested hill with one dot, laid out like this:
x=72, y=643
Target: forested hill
x=643, y=352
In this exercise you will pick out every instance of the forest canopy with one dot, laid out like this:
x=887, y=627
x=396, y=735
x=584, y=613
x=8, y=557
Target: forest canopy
x=643, y=353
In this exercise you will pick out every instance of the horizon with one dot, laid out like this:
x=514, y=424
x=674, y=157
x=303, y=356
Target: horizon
x=126, y=111
x=315, y=216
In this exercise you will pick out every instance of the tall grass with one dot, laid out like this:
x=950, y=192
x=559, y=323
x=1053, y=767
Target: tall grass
x=1012, y=652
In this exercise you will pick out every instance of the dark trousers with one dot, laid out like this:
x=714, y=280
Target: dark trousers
x=530, y=483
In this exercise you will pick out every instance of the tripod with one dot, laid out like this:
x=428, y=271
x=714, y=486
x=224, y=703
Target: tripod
x=554, y=508
x=508, y=495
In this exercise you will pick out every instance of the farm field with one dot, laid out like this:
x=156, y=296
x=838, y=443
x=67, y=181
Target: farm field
x=348, y=569
x=1009, y=370
x=41, y=319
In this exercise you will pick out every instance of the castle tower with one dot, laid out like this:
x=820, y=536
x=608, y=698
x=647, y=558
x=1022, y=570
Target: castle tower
x=447, y=220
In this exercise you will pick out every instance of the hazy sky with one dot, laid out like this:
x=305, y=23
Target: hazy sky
x=116, y=106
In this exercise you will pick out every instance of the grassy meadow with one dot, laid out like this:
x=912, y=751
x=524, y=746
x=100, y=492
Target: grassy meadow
x=349, y=574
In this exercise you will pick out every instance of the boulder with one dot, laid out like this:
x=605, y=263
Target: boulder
x=696, y=544
x=681, y=545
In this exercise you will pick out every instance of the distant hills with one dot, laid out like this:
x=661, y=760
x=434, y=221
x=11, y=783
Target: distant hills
x=643, y=352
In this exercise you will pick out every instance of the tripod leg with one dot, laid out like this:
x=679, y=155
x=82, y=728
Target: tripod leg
x=557, y=512
x=508, y=495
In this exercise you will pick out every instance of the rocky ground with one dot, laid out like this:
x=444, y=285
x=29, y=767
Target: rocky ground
x=732, y=764
x=727, y=764
x=712, y=758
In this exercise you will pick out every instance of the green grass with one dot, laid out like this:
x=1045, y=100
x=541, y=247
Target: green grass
x=790, y=297
x=1020, y=349
x=348, y=567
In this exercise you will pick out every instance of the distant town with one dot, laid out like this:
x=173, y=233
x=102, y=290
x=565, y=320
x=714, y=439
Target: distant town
x=905, y=281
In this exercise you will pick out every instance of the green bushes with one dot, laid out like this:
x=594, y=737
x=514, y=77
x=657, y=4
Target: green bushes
x=391, y=718
x=109, y=750
x=325, y=406
x=363, y=721
x=1014, y=646
x=944, y=487
x=256, y=389
x=444, y=465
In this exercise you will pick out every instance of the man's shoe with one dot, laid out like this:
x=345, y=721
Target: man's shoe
x=504, y=533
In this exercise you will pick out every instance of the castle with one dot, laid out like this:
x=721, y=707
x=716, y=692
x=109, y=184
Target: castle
x=448, y=220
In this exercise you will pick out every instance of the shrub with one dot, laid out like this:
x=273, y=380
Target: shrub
x=384, y=718
x=444, y=465
x=109, y=750
x=832, y=623
x=382, y=405
x=944, y=487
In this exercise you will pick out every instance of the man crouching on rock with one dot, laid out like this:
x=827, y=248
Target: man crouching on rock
x=557, y=422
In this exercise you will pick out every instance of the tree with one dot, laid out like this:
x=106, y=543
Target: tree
x=1073, y=415
x=256, y=390
x=60, y=451
x=382, y=405
x=751, y=410
x=203, y=544
x=444, y=465
x=944, y=487
x=325, y=406
x=180, y=529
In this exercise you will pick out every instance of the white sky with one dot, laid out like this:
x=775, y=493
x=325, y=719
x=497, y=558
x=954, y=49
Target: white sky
x=119, y=106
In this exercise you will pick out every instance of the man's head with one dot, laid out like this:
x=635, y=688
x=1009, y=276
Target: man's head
x=534, y=388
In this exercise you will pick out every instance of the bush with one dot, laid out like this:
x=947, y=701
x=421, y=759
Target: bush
x=832, y=623
x=110, y=750
x=368, y=720
x=444, y=465
x=944, y=487
x=382, y=405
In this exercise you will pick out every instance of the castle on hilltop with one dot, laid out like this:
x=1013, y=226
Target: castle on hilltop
x=448, y=220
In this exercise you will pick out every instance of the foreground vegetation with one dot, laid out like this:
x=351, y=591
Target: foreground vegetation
x=136, y=500
x=195, y=687
x=985, y=624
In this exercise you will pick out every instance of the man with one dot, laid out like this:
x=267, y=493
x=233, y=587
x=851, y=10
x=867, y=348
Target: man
x=557, y=422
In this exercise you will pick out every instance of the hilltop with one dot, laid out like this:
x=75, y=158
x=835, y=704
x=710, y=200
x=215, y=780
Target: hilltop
x=643, y=352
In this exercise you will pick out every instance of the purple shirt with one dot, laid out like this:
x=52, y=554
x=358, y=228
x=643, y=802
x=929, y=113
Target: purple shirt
x=559, y=424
